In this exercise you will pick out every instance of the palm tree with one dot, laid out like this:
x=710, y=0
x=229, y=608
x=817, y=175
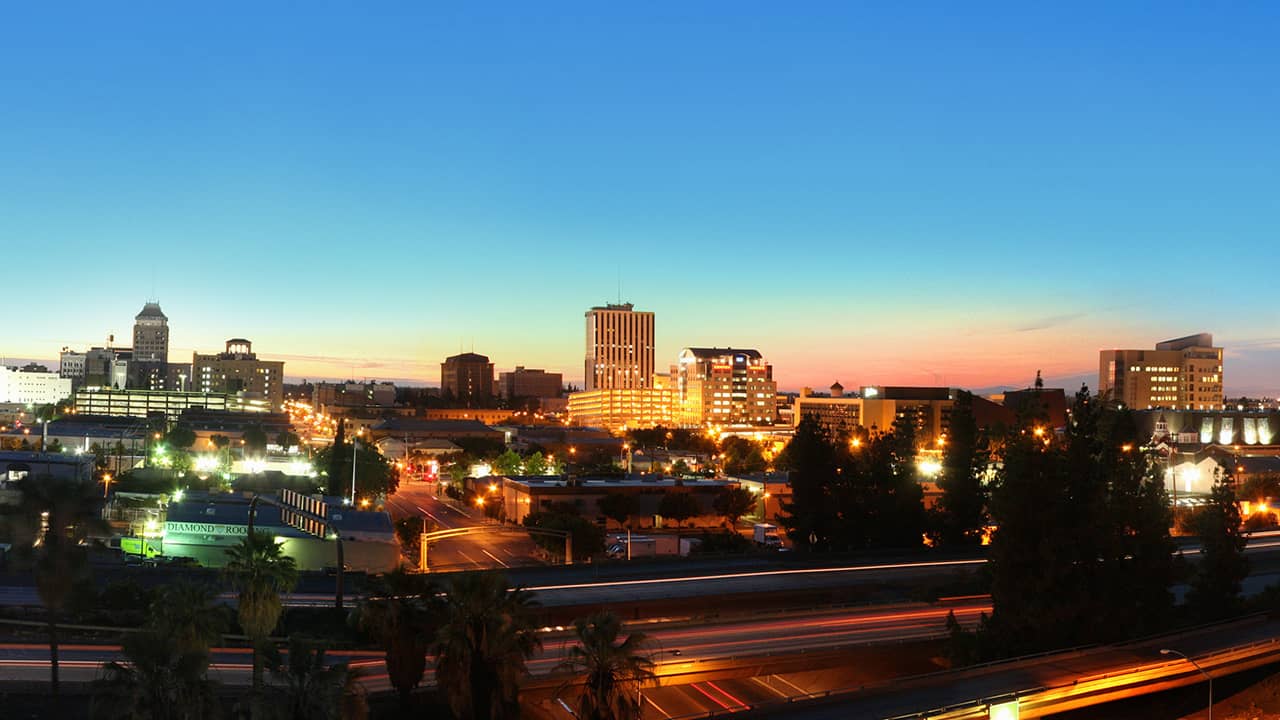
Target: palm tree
x=186, y=612
x=259, y=572
x=614, y=672
x=401, y=615
x=315, y=691
x=482, y=647
x=158, y=681
x=67, y=510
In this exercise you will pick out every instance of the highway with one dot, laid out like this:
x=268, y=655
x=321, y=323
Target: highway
x=679, y=647
x=483, y=551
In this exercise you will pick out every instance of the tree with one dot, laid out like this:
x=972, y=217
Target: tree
x=535, y=464
x=220, y=441
x=733, y=503
x=483, y=645
x=255, y=440
x=287, y=439
x=157, y=680
x=259, y=571
x=1082, y=519
x=181, y=437
x=185, y=613
x=617, y=506
x=587, y=536
x=336, y=463
x=960, y=517
x=375, y=474
x=508, y=463
x=680, y=468
x=1215, y=589
x=313, y=690
x=812, y=459
x=742, y=456
x=677, y=506
x=400, y=615
x=70, y=511
x=166, y=670
x=613, y=672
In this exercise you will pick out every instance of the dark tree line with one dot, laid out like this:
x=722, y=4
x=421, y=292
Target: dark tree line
x=1079, y=521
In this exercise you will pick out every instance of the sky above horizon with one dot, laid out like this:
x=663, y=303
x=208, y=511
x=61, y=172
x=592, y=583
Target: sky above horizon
x=890, y=193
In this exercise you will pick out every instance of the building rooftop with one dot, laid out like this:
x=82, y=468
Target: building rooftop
x=468, y=357
x=545, y=481
x=151, y=310
x=404, y=424
x=704, y=353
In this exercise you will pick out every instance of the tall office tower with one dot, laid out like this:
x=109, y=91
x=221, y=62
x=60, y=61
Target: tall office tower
x=151, y=335
x=619, y=348
x=148, y=369
x=1184, y=373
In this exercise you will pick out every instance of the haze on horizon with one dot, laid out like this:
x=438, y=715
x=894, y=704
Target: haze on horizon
x=926, y=194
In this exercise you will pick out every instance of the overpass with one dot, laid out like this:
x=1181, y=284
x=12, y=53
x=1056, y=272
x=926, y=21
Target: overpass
x=1043, y=685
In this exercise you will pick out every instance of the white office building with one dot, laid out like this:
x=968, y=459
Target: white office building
x=32, y=388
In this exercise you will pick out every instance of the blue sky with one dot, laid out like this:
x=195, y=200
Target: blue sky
x=879, y=193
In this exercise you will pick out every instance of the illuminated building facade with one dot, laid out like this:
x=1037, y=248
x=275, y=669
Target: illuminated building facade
x=238, y=371
x=619, y=348
x=621, y=409
x=722, y=386
x=1184, y=373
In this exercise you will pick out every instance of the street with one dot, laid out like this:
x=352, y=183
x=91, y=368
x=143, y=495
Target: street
x=489, y=548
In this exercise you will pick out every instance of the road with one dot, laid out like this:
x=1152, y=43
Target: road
x=679, y=647
x=483, y=551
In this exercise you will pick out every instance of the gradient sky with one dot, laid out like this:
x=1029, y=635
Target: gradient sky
x=880, y=193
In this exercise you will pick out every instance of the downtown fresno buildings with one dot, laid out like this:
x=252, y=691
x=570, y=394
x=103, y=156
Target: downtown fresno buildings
x=722, y=386
x=1184, y=373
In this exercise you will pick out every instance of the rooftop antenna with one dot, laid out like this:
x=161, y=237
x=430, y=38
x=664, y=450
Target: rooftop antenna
x=619, y=283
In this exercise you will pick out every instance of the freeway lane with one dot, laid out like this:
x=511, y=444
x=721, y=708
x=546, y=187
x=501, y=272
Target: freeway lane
x=700, y=645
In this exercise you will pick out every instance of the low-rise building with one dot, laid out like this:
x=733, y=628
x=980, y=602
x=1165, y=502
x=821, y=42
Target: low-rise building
x=145, y=403
x=621, y=409
x=523, y=495
x=529, y=383
x=32, y=388
x=203, y=526
x=410, y=429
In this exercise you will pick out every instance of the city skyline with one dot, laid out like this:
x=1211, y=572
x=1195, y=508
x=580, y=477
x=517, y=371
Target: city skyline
x=862, y=195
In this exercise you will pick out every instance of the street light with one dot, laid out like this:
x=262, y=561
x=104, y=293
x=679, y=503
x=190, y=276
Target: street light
x=1196, y=665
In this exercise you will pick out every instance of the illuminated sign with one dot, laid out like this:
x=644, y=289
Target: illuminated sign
x=1003, y=711
x=191, y=528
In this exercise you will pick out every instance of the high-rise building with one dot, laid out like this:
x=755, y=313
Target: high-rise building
x=619, y=348
x=723, y=386
x=151, y=334
x=239, y=371
x=467, y=379
x=1183, y=373
x=148, y=369
x=529, y=383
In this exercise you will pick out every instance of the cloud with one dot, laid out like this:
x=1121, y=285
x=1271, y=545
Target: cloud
x=1045, y=323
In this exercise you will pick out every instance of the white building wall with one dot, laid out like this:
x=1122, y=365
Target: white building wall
x=33, y=388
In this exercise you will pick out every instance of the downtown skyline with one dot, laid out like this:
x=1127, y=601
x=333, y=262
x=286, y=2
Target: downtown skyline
x=860, y=194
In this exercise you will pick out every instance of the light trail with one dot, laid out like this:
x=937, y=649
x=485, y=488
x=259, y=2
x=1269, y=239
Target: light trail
x=759, y=574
